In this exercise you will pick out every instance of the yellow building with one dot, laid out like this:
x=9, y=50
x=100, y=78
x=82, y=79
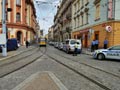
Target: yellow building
x=98, y=22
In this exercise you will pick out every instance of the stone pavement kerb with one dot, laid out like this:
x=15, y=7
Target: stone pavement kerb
x=16, y=52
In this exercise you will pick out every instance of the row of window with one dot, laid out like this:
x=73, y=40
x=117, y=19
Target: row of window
x=80, y=4
x=18, y=2
x=18, y=17
x=82, y=19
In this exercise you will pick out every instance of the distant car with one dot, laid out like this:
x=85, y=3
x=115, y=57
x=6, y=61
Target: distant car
x=60, y=45
x=110, y=53
x=51, y=43
x=56, y=44
x=12, y=44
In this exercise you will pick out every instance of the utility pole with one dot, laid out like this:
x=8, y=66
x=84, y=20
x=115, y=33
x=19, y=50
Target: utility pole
x=4, y=49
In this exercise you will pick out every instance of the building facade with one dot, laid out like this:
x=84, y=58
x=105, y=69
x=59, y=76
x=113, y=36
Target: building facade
x=96, y=19
x=21, y=21
x=62, y=21
x=50, y=34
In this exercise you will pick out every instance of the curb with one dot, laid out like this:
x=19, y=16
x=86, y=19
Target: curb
x=87, y=53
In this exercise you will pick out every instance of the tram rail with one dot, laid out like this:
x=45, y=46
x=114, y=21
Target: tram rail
x=5, y=73
x=83, y=74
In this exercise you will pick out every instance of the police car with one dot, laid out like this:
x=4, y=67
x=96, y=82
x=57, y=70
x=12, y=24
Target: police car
x=110, y=53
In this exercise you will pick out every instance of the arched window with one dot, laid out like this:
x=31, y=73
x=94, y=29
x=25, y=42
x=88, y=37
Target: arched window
x=18, y=17
x=18, y=2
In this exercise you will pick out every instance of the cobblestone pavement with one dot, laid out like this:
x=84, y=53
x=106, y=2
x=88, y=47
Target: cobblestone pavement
x=69, y=79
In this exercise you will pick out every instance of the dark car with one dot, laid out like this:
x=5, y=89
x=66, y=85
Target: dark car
x=12, y=44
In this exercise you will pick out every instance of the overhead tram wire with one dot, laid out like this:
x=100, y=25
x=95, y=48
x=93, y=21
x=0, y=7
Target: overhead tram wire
x=50, y=3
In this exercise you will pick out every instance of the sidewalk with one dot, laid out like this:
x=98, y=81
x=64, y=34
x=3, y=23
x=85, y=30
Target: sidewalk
x=86, y=51
x=15, y=52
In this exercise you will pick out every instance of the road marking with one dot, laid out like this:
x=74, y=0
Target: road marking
x=34, y=76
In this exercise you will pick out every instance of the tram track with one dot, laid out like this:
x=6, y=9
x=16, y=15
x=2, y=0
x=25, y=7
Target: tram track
x=103, y=83
x=8, y=61
x=81, y=74
x=110, y=73
x=4, y=73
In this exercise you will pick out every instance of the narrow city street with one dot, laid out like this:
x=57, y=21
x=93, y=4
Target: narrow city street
x=59, y=44
x=80, y=72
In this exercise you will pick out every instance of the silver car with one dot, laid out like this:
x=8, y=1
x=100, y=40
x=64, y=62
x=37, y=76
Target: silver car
x=110, y=53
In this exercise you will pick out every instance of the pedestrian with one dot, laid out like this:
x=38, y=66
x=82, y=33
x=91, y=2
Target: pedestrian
x=75, y=49
x=105, y=43
x=92, y=45
x=27, y=44
x=96, y=44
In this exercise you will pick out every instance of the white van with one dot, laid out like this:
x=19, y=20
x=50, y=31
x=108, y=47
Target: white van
x=69, y=45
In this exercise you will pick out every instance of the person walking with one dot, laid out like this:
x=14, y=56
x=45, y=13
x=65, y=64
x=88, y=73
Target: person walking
x=75, y=49
x=92, y=45
x=105, y=43
x=27, y=44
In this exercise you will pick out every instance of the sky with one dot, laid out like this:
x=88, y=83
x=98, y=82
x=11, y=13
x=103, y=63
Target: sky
x=45, y=11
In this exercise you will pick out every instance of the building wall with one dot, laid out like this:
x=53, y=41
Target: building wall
x=117, y=10
x=109, y=16
x=26, y=26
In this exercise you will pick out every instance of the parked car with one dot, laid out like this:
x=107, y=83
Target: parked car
x=60, y=45
x=12, y=44
x=51, y=43
x=56, y=44
x=69, y=45
x=110, y=53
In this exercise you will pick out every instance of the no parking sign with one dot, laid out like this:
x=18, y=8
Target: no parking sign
x=108, y=28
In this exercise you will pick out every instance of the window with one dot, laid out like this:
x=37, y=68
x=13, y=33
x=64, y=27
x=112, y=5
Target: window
x=6, y=1
x=82, y=19
x=75, y=8
x=72, y=42
x=81, y=3
x=115, y=48
x=78, y=4
x=78, y=21
x=18, y=2
x=97, y=13
x=6, y=16
x=75, y=22
x=18, y=17
x=86, y=18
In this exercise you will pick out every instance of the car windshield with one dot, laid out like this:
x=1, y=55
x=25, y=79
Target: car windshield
x=72, y=42
x=115, y=48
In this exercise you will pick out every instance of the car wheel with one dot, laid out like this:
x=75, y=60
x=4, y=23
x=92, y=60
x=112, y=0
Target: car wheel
x=101, y=56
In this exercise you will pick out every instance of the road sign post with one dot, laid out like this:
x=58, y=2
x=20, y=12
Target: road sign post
x=4, y=49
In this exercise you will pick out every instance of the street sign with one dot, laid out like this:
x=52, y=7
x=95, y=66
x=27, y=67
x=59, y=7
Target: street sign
x=108, y=28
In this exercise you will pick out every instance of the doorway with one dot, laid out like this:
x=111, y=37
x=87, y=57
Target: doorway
x=19, y=37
